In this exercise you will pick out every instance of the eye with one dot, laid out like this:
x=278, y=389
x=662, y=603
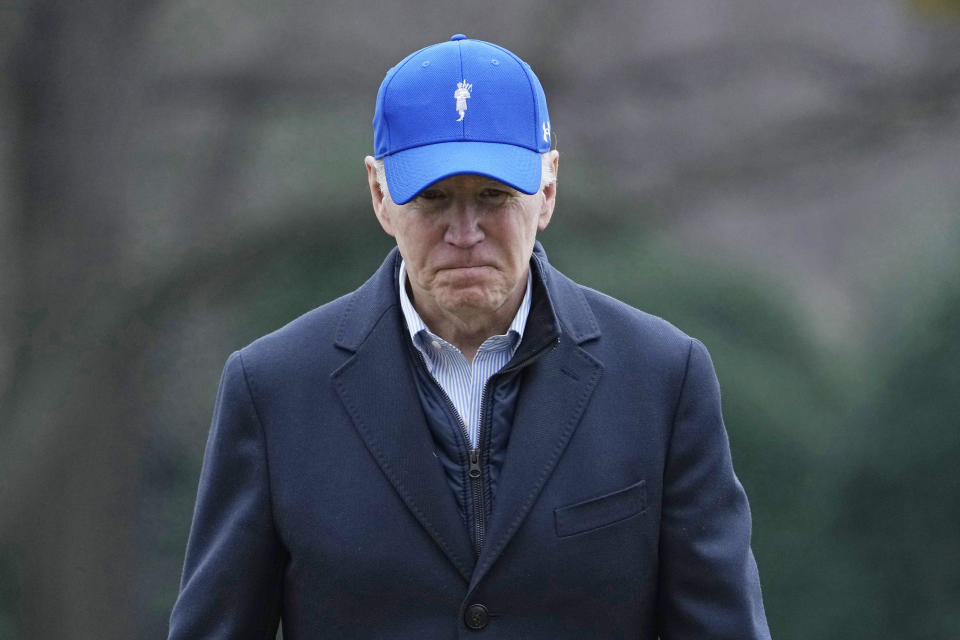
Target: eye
x=430, y=194
x=492, y=195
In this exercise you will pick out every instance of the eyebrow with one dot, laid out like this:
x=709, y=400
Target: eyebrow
x=490, y=182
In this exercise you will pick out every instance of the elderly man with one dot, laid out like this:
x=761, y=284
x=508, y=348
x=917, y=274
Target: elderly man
x=470, y=444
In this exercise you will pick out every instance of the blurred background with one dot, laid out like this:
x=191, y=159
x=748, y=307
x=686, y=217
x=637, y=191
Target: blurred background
x=778, y=178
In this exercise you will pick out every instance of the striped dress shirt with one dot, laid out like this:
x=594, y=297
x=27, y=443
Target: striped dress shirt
x=462, y=381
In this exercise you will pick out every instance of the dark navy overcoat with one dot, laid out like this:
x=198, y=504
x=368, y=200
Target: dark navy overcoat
x=321, y=501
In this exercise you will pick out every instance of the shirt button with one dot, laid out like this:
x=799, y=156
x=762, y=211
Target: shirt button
x=436, y=345
x=476, y=617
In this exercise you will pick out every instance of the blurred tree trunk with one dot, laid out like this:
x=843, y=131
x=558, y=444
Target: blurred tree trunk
x=67, y=419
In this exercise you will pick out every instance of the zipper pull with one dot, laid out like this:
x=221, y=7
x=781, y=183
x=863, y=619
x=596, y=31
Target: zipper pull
x=474, y=463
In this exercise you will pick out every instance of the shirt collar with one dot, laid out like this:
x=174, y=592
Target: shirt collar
x=416, y=325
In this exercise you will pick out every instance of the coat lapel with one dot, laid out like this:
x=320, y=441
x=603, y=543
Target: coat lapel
x=378, y=391
x=555, y=392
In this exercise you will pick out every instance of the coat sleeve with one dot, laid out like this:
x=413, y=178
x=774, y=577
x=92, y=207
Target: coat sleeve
x=231, y=580
x=708, y=581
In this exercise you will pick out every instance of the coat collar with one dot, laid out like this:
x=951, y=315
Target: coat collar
x=384, y=405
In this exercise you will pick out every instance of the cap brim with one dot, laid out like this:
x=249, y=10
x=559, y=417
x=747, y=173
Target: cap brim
x=411, y=171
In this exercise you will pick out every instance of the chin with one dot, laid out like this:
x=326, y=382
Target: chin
x=467, y=302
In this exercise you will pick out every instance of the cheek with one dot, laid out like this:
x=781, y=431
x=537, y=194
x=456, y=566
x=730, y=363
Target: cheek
x=407, y=234
x=416, y=241
x=525, y=234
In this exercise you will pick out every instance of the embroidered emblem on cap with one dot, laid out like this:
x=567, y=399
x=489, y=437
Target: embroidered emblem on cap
x=461, y=94
x=546, y=132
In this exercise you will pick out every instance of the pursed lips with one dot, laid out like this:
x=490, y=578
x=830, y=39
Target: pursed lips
x=468, y=271
x=463, y=266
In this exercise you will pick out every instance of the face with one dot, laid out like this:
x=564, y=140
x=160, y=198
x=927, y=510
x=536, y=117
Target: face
x=466, y=241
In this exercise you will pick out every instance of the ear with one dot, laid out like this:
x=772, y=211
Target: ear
x=549, y=194
x=378, y=197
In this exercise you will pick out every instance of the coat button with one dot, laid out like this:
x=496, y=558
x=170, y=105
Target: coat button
x=476, y=616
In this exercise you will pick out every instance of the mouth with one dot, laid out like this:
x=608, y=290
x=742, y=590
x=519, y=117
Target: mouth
x=467, y=270
x=465, y=266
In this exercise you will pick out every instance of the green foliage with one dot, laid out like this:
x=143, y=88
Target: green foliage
x=899, y=511
x=937, y=8
x=10, y=566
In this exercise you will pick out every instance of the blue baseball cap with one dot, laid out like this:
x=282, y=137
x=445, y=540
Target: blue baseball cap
x=462, y=106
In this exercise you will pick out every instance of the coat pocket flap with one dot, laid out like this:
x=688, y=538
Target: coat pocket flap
x=602, y=510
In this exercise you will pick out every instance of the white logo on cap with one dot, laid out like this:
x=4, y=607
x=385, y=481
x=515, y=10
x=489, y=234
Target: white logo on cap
x=546, y=132
x=461, y=94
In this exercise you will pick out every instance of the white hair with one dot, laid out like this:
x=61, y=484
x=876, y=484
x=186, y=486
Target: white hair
x=547, y=176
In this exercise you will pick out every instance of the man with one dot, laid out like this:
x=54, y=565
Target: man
x=470, y=444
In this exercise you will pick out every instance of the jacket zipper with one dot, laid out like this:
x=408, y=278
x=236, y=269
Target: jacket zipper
x=479, y=510
x=475, y=470
x=479, y=507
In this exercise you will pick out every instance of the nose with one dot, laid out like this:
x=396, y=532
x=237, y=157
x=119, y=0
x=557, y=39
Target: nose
x=463, y=227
